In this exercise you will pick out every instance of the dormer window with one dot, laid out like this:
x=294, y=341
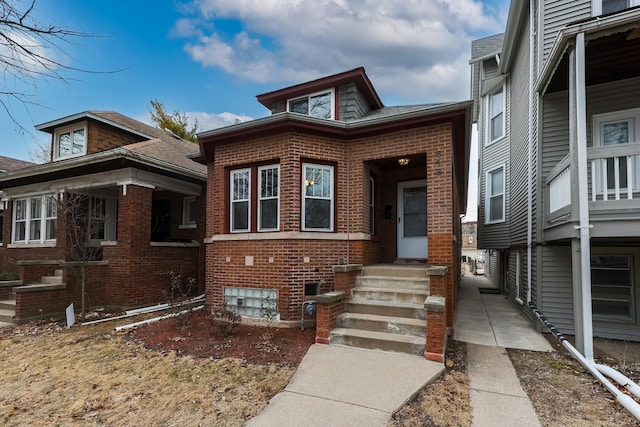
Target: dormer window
x=70, y=141
x=315, y=105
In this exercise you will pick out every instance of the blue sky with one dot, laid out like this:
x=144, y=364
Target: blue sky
x=210, y=58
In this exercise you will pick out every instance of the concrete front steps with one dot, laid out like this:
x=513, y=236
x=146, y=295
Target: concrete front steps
x=8, y=306
x=386, y=310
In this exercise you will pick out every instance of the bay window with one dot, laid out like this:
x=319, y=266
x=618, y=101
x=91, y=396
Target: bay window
x=318, y=198
x=34, y=219
x=255, y=199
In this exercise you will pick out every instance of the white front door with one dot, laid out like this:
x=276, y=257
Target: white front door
x=412, y=219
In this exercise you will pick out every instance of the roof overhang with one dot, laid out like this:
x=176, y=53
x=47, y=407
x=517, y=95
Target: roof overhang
x=100, y=162
x=593, y=28
x=459, y=114
x=357, y=76
x=517, y=14
x=49, y=127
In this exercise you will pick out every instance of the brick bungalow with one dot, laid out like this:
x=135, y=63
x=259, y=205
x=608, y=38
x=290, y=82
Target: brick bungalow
x=143, y=203
x=302, y=202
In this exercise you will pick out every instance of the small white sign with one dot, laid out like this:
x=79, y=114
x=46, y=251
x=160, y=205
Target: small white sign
x=71, y=316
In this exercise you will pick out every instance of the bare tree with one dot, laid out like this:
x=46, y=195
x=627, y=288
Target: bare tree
x=31, y=52
x=75, y=208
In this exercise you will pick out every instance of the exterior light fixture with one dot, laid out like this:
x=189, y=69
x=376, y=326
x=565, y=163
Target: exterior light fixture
x=403, y=161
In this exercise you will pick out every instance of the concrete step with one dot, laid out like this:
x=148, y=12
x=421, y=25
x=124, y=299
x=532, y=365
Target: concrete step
x=378, y=340
x=415, y=283
x=6, y=324
x=386, y=308
x=388, y=324
x=414, y=296
x=51, y=280
x=58, y=273
x=8, y=304
x=6, y=316
x=391, y=270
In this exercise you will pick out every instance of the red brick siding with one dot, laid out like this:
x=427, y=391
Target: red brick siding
x=102, y=137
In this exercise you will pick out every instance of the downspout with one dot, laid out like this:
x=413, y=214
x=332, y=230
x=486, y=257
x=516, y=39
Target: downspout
x=532, y=99
x=583, y=193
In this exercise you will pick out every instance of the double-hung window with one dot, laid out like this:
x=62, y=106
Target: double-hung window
x=496, y=122
x=34, y=219
x=315, y=105
x=613, y=287
x=70, y=141
x=318, y=197
x=255, y=193
x=494, y=203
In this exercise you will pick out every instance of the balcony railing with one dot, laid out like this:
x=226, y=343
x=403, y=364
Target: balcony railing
x=614, y=180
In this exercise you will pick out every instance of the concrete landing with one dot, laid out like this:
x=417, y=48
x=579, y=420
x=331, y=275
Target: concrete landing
x=346, y=386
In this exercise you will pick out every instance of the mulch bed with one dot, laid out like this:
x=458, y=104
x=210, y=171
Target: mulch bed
x=254, y=344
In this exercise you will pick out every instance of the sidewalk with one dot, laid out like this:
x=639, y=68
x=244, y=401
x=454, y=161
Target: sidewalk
x=488, y=323
x=347, y=386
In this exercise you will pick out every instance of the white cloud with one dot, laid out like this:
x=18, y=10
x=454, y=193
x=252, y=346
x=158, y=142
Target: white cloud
x=206, y=121
x=414, y=48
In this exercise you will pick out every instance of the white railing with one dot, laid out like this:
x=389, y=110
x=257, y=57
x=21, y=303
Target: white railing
x=560, y=191
x=615, y=172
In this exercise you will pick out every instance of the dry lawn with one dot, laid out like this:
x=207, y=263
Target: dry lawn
x=92, y=376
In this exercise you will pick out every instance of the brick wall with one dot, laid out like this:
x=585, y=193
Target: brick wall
x=102, y=137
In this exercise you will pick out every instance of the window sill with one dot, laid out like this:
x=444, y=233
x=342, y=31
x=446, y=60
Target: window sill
x=32, y=245
x=186, y=226
x=288, y=235
x=495, y=141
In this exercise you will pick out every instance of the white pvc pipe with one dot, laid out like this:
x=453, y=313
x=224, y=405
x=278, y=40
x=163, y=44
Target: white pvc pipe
x=156, y=319
x=620, y=378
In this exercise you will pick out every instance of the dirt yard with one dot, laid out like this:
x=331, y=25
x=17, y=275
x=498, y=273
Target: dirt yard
x=166, y=375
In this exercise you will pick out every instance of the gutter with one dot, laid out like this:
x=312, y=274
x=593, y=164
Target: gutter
x=113, y=154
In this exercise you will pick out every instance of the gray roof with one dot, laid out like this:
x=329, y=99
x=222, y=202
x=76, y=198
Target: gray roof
x=487, y=46
x=385, y=112
x=9, y=164
x=174, y=152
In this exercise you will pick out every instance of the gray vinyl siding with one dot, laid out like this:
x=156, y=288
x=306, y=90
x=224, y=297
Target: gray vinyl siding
x=493, y=236
x=489, y=68
x=518, y=175
x=611, y=97
x=557, y=293
x=493, y=268
x=555, y=130
x=352, y=104
x=556, y=15
x=475, y=89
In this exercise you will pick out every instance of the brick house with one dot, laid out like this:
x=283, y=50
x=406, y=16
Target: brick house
x=8, y=164
x=304, y=201
x=143, y=204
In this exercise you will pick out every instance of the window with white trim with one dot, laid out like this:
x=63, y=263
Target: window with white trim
x=269, y=198
x=188, y=212
x=318, y=197
x=613, y=287
x=318, y=104
x=266, y=196
x=35, y=219
x=495, y=203
x=495, y=120
x=102, y=218
x=70, y=141
x=611, y=6
x=613, y=173
x=240, y=203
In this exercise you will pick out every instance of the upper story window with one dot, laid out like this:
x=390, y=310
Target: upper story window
x=495, y=203
x=70, y=141
x=495, y=122
x=316, y=105
x=318, y=197
x=35, y=218
x=610, y=6
x=243, y=198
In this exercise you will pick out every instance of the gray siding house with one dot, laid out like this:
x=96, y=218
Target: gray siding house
x=557, y=104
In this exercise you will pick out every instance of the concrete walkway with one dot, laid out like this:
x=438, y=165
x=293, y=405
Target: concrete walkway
x=489, y=323
x=346, y=386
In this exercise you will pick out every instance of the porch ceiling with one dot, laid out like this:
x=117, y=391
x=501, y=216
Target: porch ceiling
x=610, y=58
x=416, y=160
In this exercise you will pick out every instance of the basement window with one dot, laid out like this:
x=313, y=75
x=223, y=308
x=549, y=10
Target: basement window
x=252, y=302
x=612, y=287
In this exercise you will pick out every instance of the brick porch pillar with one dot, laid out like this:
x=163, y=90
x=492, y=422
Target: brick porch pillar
x=330, y=305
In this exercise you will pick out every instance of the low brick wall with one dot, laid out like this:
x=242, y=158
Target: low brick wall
x=345, y=277
x=329, y=306
x=7, y=286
